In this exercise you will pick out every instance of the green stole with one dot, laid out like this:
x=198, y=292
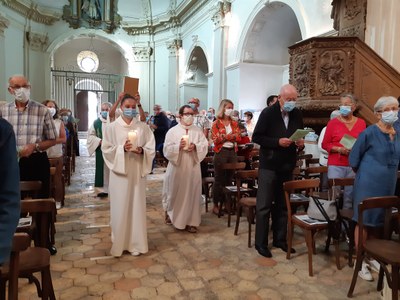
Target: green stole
x=98, y=177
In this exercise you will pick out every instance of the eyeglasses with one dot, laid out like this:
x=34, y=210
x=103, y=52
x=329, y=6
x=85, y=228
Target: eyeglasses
x=396, y=110
x=187, y=114
x=192, y=102
x=15, y=87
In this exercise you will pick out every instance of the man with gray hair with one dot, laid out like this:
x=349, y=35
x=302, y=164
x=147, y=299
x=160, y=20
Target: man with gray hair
x=95, y=136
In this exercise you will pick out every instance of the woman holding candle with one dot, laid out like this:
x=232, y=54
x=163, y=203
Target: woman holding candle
x=225, y=135
x=185, y=147
x=128, y=149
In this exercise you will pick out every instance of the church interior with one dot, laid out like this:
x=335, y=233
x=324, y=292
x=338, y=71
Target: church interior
x=78, y=52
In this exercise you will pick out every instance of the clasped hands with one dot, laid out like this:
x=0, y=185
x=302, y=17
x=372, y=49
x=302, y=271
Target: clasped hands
x=128, y=147
x=182, y=145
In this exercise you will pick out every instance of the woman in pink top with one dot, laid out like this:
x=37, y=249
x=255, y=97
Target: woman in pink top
x=338, y=160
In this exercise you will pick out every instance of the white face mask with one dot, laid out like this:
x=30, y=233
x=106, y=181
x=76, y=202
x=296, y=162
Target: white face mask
x=228, y=112
x=188, y=120
x=52, y=111
x=22, y=94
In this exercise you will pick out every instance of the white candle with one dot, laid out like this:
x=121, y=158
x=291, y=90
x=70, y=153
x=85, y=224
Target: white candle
x=132, y=137
x=185, y=137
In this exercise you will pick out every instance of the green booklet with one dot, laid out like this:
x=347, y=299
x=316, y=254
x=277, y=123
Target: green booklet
x=348, y=141
x=299, y=134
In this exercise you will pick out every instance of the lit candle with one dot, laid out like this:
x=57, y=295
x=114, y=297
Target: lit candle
x=132, y=137
x=186, y=139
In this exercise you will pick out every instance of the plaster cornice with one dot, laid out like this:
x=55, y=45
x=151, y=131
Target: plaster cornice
x=170, y=20
x=31, y=11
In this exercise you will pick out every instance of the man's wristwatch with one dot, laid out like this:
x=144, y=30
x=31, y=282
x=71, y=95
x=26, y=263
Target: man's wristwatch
x=37, y=147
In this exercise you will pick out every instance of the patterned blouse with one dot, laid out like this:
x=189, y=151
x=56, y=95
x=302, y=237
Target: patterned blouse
x=218, y=132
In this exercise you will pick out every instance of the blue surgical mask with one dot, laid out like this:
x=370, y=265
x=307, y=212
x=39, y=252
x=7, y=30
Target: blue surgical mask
x=389, y=117
x=130, y=113
x=288, y=106
x=192, y=106
x=104, y=114
x=344, y=110
x=209, y=115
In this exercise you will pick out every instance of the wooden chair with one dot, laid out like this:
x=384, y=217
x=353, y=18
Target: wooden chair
x=317, y=172
x=312, y=162
x=229, y=192
x=30, y=189
x=249, y=203
x=344, y=215
x=9, y=272
x=384, y=250
x=37, y=259
x=208, y=181
x=309, y=229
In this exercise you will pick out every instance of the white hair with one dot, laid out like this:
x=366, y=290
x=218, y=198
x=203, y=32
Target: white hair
x=384, y=101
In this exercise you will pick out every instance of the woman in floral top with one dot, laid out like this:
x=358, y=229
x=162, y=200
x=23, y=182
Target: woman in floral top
x=225, y=135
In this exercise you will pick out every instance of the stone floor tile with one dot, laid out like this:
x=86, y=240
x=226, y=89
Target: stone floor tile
x=144, y=293
x=191, y=284
x=110, y=277
x=169, y=289
x=127, y=284
x=73, y=293
x=86, y=280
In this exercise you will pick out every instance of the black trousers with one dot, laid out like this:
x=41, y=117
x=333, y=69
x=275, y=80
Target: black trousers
x=36, y=167
x=222, y=177
x=271, y=203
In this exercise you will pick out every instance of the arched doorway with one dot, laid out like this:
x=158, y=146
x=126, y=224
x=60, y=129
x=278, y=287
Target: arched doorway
x=264, y=55
x=195, y=83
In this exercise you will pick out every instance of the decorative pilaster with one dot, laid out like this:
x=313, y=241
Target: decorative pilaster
x=174, y=46
x=219, y=12
x=37, y=41
x=142, y=53
x=3, y=24
x=173, y=73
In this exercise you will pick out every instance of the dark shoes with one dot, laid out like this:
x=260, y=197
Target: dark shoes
x=284, y=247
x=52, y=249
x=102, y=195
x=263, y=251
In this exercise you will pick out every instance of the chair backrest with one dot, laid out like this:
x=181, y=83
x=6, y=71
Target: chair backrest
x=43, y=215
x=311, y=161
x=339, y=182
x=293, y=186
x=310, y=171
x=30, y=189
x=387, y=203
x=233, y=166
x=21, y=242
x=243, y=175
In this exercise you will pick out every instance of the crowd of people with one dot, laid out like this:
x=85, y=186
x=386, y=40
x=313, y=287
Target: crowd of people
x=125, y=140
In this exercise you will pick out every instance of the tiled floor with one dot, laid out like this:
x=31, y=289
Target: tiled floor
x=212, y=264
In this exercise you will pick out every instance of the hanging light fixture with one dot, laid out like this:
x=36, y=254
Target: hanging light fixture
x=87, y=59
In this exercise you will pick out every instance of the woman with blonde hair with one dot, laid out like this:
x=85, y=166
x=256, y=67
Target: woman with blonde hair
x=225, y=135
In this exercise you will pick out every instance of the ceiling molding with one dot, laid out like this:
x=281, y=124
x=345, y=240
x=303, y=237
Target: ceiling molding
x=32, y=12
x=174, y=18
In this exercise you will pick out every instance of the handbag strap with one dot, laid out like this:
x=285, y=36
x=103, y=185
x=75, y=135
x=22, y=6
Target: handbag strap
x=321, y=208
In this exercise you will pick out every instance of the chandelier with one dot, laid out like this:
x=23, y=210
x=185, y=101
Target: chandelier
x=87, y=60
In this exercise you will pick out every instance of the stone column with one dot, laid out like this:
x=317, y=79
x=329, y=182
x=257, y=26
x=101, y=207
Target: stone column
x=3, y=77
x=220, y=45
x=173, y=75
x=144, y=61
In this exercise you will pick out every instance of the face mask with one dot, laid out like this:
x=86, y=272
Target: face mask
x=288, y=106
x=147, y=119
x=389, y=117
x=228, y=112
x=104, y=114
x=192, y=106
x=22, y=94
x=344, y=110
x=188, y=120
x=209, y=115
x=65, y=119
x=52, y=111
x=234, y=118
x=130, y=113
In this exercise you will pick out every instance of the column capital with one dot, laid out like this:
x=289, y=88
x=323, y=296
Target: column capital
x=37, y=41
x=3, y=24
x=173, y=46
x=219, y=12
x=142, y=53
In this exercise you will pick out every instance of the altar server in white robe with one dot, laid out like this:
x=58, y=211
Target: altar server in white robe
x=185, y=147
x=128, y=150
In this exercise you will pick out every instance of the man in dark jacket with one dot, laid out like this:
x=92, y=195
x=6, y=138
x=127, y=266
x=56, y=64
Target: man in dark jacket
x=277, y=161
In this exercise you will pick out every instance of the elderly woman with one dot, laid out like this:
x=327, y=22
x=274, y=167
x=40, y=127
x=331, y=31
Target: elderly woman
x=374, y=158
x=338, y=162
x=185, y=147
x=225, y=135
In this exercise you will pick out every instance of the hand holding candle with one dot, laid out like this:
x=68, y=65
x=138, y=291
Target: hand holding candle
x=186, y=139
x=132, y=137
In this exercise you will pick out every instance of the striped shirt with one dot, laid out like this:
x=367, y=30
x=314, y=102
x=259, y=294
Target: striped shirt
x=32, y=125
